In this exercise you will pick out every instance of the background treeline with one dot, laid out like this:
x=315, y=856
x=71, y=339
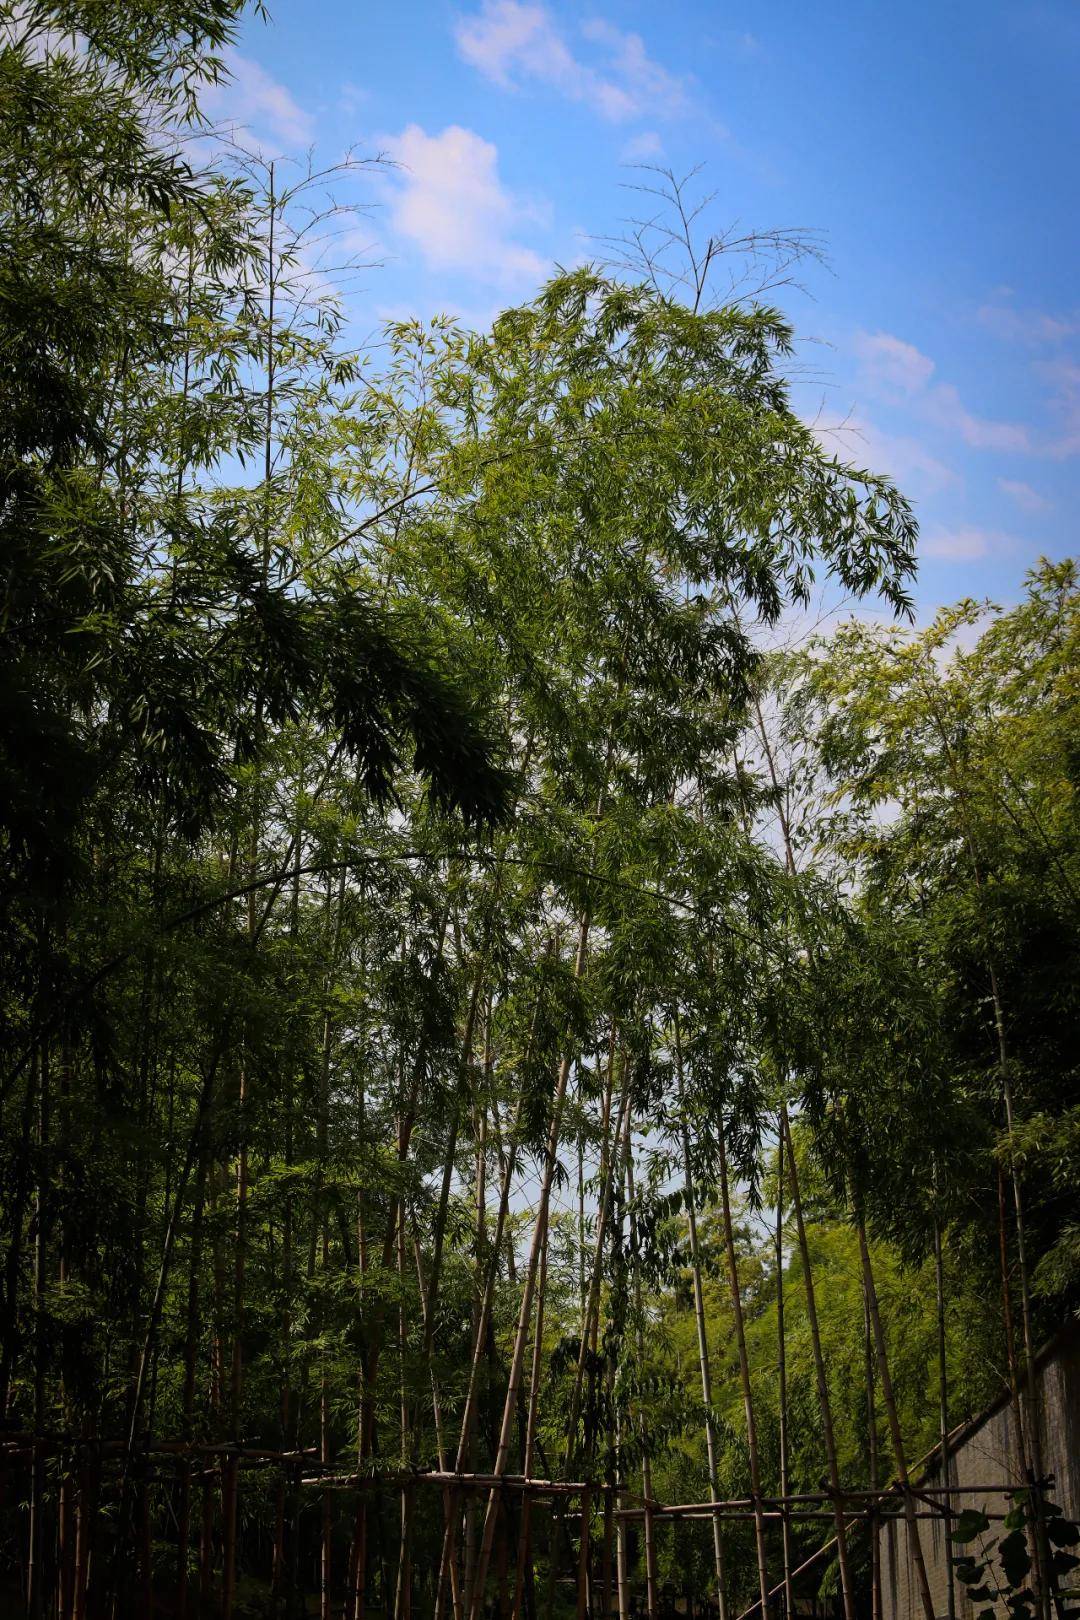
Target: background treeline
x=425, y=904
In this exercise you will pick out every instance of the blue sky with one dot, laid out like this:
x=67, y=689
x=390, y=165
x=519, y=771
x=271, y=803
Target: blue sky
x=933, y=146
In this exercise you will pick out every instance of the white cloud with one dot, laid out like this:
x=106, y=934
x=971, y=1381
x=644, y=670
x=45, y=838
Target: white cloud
x=650, y=87
x=943, y=406
x=1025, y=325
x=895, y=369
x=1025, y=497
x=471, y=317
x=251, y=99
x=512, y=42
x=965, y=543
x=892, y=363
x=447, y=197
x=640, y=148
x=903, y=459
x=351, y=98
x=1064, y=376
x=506, y=36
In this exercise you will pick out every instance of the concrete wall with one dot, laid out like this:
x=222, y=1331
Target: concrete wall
x=984, y=1454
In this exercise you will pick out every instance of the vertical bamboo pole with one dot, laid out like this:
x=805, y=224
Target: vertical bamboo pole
x=403, y=1589
x=146, y=1568
x=66, y=1527
x=613, y=1347
x=1034, y=1437
x=607, y=1560
x=502, y=1454
x=326, y=1572
x=744, y=1373
x=592, y=1302
x=872, y=1460
x=523, y=1552
x=1039, y=1550
x=943, y=1395
x=622, y=1568
x=824, y=1403
x=581, y=1220
x=447, y=1562
x=191, y=1336
x=35, y=1569
x=704, y=1365
x=83, y=1531
x=206, y=1544
x=1019, y=1426
x=322, y=1130
x=899, y=1457
x=612, y=1154
x=651, y=1586
x=583, y=1555
x=539, y=1239
x=491, y=1279
x=781, y=1378
x=1019, y=1418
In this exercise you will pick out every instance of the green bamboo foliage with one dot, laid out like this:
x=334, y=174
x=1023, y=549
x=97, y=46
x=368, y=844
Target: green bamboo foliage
x=387, y=779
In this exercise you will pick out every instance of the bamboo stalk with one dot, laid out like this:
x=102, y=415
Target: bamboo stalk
x=820, y=1374
x=447, y=1560
x=872, y=1458
x=704, y=1365
x=943, y=1394
x=740, y=1515
x=651, y=1583
x=781, y=1380
x=1019, y=1426
x=83, y=1532
x=539, y=1231
x=183, y=1529
x=35, y=1572
x=1040, y=1550
x=744, y=1371
x=530, y=1435
x=403, y=1585
x=592, y=1304
x=899, y=1457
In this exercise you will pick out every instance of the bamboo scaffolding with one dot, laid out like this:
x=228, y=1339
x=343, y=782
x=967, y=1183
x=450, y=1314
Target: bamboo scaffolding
x=484, y=1480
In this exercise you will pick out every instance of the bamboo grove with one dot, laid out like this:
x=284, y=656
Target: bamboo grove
x=487, y=1051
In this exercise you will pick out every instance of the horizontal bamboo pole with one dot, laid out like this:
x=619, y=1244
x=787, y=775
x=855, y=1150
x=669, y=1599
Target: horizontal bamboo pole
x=709, y=1510
x=453, y=1481
x=17, y=1444
x=21, y=1445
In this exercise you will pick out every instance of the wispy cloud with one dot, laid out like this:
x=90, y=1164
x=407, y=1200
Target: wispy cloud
x=513, y=43
x=897, y=370
x=1029, y=326
x=250, y=99
x=902, y=458
x=447, y=198
x=1028, y=499
x=641, y=148
x=1064, y=379
x=892, y=363
x=966, y=543
x=945, y=409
